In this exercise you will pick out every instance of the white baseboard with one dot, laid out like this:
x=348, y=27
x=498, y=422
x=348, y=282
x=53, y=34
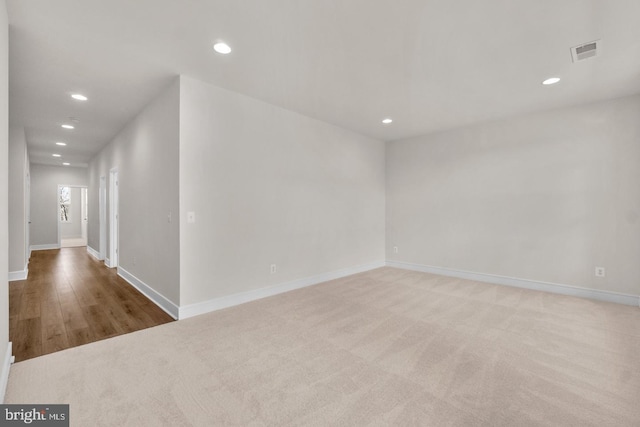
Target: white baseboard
x=19, y=275
x=555, y=288
x=107, y=262
x=6, y=367
x=45, y=247
x=93, y=253
x=158, y=299
x=243, y=297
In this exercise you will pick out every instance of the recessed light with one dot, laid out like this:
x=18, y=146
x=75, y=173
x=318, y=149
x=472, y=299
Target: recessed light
x=387, y=121
x=222, y=47
x=56, y=155
x=66, y=164
x=68, y=127
x=79, y=97
x=551, y=81
x=62, y=144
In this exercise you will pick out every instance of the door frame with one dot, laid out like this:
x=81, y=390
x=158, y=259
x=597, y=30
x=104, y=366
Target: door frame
x=84, y=214
x=102, y=201
x=58, y=208
x=113, y=217
x=27, y=209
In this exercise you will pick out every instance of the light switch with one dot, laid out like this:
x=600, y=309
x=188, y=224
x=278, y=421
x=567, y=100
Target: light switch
x=191, y=217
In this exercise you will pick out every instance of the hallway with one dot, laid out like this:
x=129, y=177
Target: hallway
x=70, y=299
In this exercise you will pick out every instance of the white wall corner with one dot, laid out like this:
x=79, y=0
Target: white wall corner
x=6, y=367
x=243, y=297
x=107, y=262
x=555, y=288
x=44, y=247
x=158, y=299
x=93, y=253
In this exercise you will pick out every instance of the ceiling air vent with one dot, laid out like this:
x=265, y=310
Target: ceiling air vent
x=584, y=51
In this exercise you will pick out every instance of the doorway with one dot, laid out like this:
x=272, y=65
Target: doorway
x=113, y=216
x=72, y=216
x=102, y=200
x=27, y=202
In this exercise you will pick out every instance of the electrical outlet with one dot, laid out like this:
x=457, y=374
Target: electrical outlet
x=273, y=268
x=395, y=249
x=600, y=272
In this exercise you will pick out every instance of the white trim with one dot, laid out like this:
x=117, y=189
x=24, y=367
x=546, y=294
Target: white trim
x=45, y=247
x=102, y=206
x=555, y=288
x=93, y=253
x=114, y=209
x=243, y=297
x=19, y=275
x=6, y=367
x=157, y=298
x=58, y=209
x=107, y=262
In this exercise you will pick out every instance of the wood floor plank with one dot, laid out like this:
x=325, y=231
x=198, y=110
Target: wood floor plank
x=128, y=316
x=13, y=322
x=27, y=340
x=123, y=320
x=48, y=292
x=15, y=297
x=30, y=305
x=134, y=310
x=72, y=315
x=100, y=323
x=71, y=299
x=80, y=336
x=54, y=338
x=82, y=293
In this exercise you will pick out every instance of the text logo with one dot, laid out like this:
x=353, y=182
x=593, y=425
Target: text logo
x=34, y=415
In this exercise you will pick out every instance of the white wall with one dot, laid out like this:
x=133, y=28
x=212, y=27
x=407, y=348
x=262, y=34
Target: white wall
x=4, y=168
x=545, y=197
x=146, y=155
x=73, y=228
x=18, y=175
x=269, y=186
x=44, y=199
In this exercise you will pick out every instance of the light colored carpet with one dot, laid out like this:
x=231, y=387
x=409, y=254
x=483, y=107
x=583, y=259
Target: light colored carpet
x=385, y=347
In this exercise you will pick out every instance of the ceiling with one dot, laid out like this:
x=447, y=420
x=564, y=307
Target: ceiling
x=428, y=64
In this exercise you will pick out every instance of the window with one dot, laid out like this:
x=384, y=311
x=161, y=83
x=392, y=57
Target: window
x=65, y=204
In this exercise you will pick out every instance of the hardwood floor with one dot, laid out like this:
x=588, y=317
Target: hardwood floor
x=70, y=299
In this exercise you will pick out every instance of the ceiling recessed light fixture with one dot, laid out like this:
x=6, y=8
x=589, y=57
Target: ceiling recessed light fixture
x=66, y=164
x=387, y=121
x=62, y=144
x=222, y=47
x=68, y=127
x=79, y=97
x=56, y=155
x=551, y=81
